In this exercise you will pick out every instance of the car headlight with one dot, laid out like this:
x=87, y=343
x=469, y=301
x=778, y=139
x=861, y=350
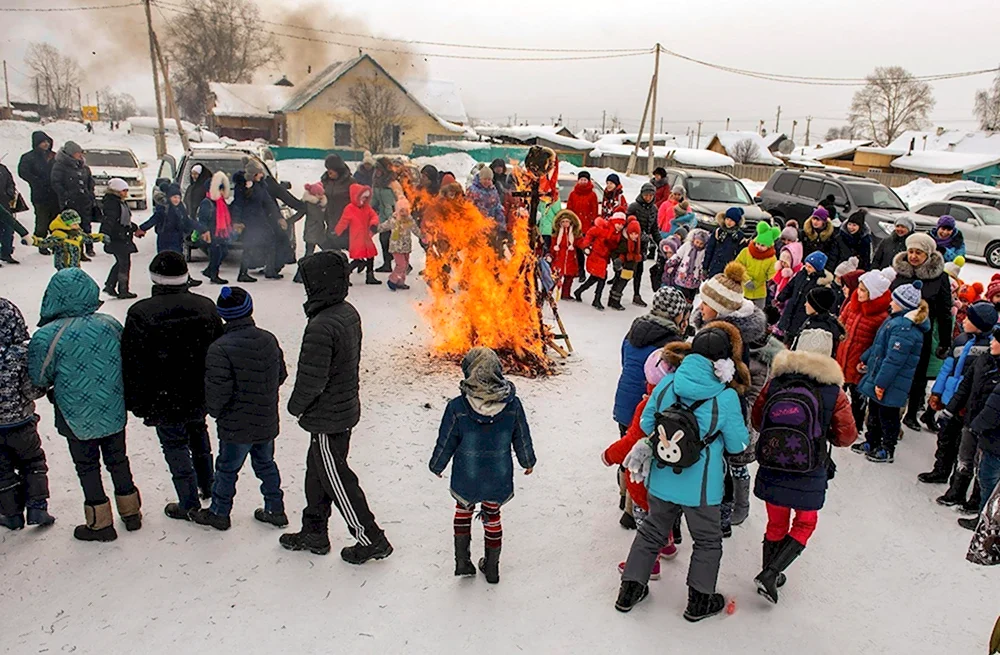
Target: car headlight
x=886, y=227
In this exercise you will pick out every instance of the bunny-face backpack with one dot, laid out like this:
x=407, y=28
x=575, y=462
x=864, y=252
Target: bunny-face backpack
x=677, y=441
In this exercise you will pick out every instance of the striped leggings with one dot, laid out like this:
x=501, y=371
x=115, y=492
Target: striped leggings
x=490, y=516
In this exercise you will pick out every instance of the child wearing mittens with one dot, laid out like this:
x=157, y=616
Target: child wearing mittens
x=760, y=261
x=66, y=240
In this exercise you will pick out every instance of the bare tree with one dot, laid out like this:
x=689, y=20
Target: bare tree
x=378, y=117
x=745, y=152
x=215, y=41
x=117, y=106
x=843, y=132
x=891, y=102
x=57, y=75
x=987, y=108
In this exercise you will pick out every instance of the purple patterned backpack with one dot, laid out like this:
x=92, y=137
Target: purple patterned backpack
x=792, y=437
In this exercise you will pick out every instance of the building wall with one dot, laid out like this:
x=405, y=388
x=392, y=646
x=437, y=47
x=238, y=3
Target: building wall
x=989, y=175
x=863, y=161
x=313, y=125
x=244, y=128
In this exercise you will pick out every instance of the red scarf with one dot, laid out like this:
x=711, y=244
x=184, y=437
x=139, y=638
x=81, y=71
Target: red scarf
x=757, y=253
x=223, y=220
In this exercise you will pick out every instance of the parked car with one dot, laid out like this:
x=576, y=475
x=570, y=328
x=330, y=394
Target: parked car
x=980, y=225
x=982, y=197
x=107, y=163
x=711, y=192
x=227, y=160
x=795, y=194
x=566, y=184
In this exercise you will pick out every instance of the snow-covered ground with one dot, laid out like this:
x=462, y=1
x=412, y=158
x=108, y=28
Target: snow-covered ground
x=884, y=573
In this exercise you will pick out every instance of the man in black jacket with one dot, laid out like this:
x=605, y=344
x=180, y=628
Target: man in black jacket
x=8, y=194
x=326, y=402
x=74, y=186
x=644, y=210
x=35, y=168
x=164, y=344
x=243, y=371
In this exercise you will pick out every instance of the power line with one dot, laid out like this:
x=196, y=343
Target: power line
x=60, y=9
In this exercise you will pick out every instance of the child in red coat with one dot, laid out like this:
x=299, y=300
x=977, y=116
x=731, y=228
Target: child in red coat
x=658, y=365
x=565, y=267
x=625, y=258
x=362, y=221
x=583, y=202
x=598, y=244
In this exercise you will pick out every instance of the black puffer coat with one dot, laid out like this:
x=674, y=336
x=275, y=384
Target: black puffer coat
x=164, y=344
x=74, y=185
x=325, y=398
x=338, y=196
x=198, y=189
x=243, y=370
x=35, y=168
x=118, y=236
x=645, y=213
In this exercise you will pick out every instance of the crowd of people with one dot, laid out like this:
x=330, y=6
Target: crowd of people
x=770, y=345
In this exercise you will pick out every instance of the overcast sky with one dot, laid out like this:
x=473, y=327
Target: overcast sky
x=845, y=38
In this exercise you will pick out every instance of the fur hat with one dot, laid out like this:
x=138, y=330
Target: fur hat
x=766, y=234
x=908, y=296
x=983, y=315
x=117, y=185
x=724, y=292
x=220, y=186
x=168, y=269
x=234, y=303
x=822, y=299
x=821, y=213
x=947, y=222
x=954, y=267
x=817, y=259
x=921, y=241
x=878, y=282
x=845, y=267
x=790, y=234
x=906, y=222
x=669, y=303
x=994, y=287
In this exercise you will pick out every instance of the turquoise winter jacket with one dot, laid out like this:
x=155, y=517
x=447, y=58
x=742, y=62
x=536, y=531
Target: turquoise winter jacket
x=84, y=366
x=702, y=484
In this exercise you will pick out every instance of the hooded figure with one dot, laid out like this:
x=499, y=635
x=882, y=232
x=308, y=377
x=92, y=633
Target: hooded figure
x=855, y=240
x=172, y=223
x=336, y=183
x=215, y=217
x=66, y=240
x=950, y=246
x=821, y=238
x=201, y=178
x=565, y=242
x=360, y=220
x=35, y=168
x=315, y=230
x=74, y=185
x=788, y=265
x=760, y=261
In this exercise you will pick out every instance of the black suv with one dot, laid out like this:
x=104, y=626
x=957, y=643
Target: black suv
x=795, y=194
x=711, y=192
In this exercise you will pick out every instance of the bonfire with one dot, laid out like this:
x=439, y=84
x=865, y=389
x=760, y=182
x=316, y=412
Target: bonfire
x=481, y=293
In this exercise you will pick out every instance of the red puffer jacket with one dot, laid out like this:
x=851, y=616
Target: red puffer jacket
x=861, y=321
x=582, y=201
x=358, y=220
x=601, y=239
x=616, y=452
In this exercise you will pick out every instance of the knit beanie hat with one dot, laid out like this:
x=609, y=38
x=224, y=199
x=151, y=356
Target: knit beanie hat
x=679, y=190
x=735, y=214
x=821, y=213
x=970, y=293
x=906, y=222
x=173, y=190
x=234, y=303
x=169, y=269
x=845, y=267
x=992, y=290
x=878, y=282
x=613, y=177
x=647, y=188
x=850, y=280
x=946, y=222
x=672, y=243
x=70, y=217
x=669, y=303
x=921, y=241
x=954, y=267
x=724, y=292
x=858, y=218
x=315, y=189
x=583, y=175
x=908, y=296
x=72, y=148
x=117, y=185
x=790, y=234
x=766, y=234
x=817, y=260
x=485, y=173
x=983, y=315
x=253, y=168
x=633, y=227
x=821, y=299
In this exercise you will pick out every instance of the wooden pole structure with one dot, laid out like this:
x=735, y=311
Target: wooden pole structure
x=161, y=139
x=642, y=126
x=170, y=97
x=652, y=117
x=6, y=86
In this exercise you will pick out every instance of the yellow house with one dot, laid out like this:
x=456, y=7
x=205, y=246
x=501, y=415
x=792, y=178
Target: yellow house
x=318, y=114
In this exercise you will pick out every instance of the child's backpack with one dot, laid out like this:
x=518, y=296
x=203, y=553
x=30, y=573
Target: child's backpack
x=792, y=437
x=677, y=441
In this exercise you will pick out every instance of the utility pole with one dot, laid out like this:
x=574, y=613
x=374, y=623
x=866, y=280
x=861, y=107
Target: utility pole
x=661, y=125
x=777, y=120
x=699, y=136
x=515, y=118
x=170, y=97
x=6, y=86
x=809, y=120
x=760, y=127
x=727, y=124
x=792, y=138
x=604, y=115
x=642, y=126
x=650, y=165
x=161, y=139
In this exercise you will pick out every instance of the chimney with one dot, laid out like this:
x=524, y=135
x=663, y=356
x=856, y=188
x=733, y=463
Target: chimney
x=913, y=142
x=940, y=131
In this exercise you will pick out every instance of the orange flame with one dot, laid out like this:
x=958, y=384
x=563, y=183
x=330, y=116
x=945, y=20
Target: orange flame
x=477, y=296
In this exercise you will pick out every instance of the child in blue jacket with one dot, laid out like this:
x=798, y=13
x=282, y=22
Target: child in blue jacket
x=711, y=371
x=980, y=319
x=172, y=222
x=478, y=430
x=888, y=368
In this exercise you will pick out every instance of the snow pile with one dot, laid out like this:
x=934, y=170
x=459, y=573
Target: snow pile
x=923, y=190
x=942, y=162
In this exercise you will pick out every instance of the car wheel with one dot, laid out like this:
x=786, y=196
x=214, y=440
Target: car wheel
x=993, y=255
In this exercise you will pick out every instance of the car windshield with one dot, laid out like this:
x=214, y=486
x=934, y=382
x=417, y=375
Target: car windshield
x=708, y=189
x=102, y=158
x=875, y=196
x=989, y=215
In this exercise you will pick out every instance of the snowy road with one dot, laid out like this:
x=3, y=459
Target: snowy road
x=885, y=572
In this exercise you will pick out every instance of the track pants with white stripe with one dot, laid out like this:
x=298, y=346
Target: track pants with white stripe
x=329, y=480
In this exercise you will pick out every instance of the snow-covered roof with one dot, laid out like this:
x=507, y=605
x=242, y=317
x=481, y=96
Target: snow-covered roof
x=942, y=162
x=441, y=97
x=773, y=138
x=249, y=100
x=528, y=132
x=728, y=140
x=948, y=140
x=693, y=157
x=831, y=149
